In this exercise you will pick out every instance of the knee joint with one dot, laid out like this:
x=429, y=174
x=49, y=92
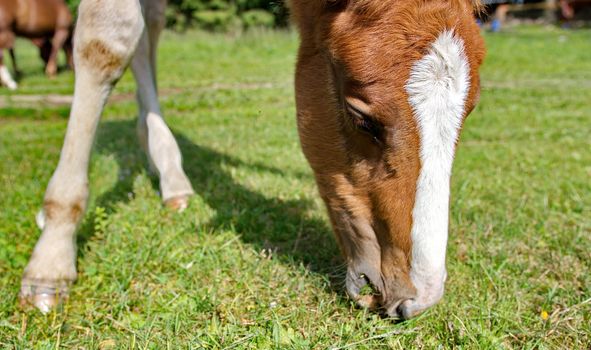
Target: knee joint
x=63, y=212
x=98, y=56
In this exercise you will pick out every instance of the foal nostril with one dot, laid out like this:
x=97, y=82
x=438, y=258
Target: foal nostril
x=403, y=310
x=411, y=308
x=400, y=309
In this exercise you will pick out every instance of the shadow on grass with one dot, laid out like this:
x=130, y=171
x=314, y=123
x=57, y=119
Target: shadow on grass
x=261, y=221
x=32, y=113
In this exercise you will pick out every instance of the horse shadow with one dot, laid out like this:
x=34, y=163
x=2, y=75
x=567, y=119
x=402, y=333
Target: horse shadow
x=282, y=226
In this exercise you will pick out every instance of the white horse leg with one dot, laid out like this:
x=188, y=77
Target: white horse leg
x=6, y=42
x=5, y=77
x=106, y=37
x=155, y=137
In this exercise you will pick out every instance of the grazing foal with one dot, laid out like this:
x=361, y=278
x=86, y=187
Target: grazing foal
x=382, y=90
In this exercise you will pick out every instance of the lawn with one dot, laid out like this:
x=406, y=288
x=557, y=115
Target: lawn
x=252, y=263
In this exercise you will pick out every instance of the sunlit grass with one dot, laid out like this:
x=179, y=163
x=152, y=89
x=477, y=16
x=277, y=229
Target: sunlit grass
x=252, y=263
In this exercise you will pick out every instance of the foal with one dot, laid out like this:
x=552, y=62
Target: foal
x=382, y=90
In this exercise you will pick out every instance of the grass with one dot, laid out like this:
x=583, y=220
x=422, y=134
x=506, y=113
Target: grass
x=252, y=263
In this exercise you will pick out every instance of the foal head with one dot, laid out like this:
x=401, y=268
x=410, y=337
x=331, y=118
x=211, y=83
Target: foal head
x=382, y=90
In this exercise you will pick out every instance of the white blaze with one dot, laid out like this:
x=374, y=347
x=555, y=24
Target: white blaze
x=437, y=89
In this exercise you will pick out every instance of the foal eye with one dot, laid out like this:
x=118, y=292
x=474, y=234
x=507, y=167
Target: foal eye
x=364, y=122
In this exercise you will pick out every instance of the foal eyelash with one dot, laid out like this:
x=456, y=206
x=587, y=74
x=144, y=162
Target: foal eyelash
x=363, y=122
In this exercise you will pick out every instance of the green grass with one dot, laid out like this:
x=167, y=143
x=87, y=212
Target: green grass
x=252, y=263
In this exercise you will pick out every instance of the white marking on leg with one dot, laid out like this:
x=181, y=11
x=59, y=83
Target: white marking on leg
x=437, y=89
x=6, y=78
x=157, y=139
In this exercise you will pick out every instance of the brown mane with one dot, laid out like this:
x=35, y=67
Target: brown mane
x=381, y=6
x=371, y=5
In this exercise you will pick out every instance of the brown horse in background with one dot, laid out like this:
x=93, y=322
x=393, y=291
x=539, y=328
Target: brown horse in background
x=47, y=23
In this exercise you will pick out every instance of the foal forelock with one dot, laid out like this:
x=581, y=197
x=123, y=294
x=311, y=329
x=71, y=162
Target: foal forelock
x=437, y=88
x=380, y=6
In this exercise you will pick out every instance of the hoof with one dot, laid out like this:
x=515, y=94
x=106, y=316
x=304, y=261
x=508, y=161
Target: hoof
x=51, y=72
x=42, y=296
x=178, y=204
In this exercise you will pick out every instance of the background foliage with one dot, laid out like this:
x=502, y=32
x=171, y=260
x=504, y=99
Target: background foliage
x=221, y=15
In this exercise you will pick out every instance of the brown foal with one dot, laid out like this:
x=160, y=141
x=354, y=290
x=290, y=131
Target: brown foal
x=382, y=90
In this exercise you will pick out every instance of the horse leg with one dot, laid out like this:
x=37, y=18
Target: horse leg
x=68, y=52
x=5, y=77
x=153, y=133
x=6, y=42
x=44, y=46
x=57, y=42
x=17, y=72
x=106, y=38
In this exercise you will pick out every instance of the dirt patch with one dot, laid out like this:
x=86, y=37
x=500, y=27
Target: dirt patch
x=55, y=100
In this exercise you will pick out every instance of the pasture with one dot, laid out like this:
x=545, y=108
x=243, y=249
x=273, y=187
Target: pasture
x=252, y=264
